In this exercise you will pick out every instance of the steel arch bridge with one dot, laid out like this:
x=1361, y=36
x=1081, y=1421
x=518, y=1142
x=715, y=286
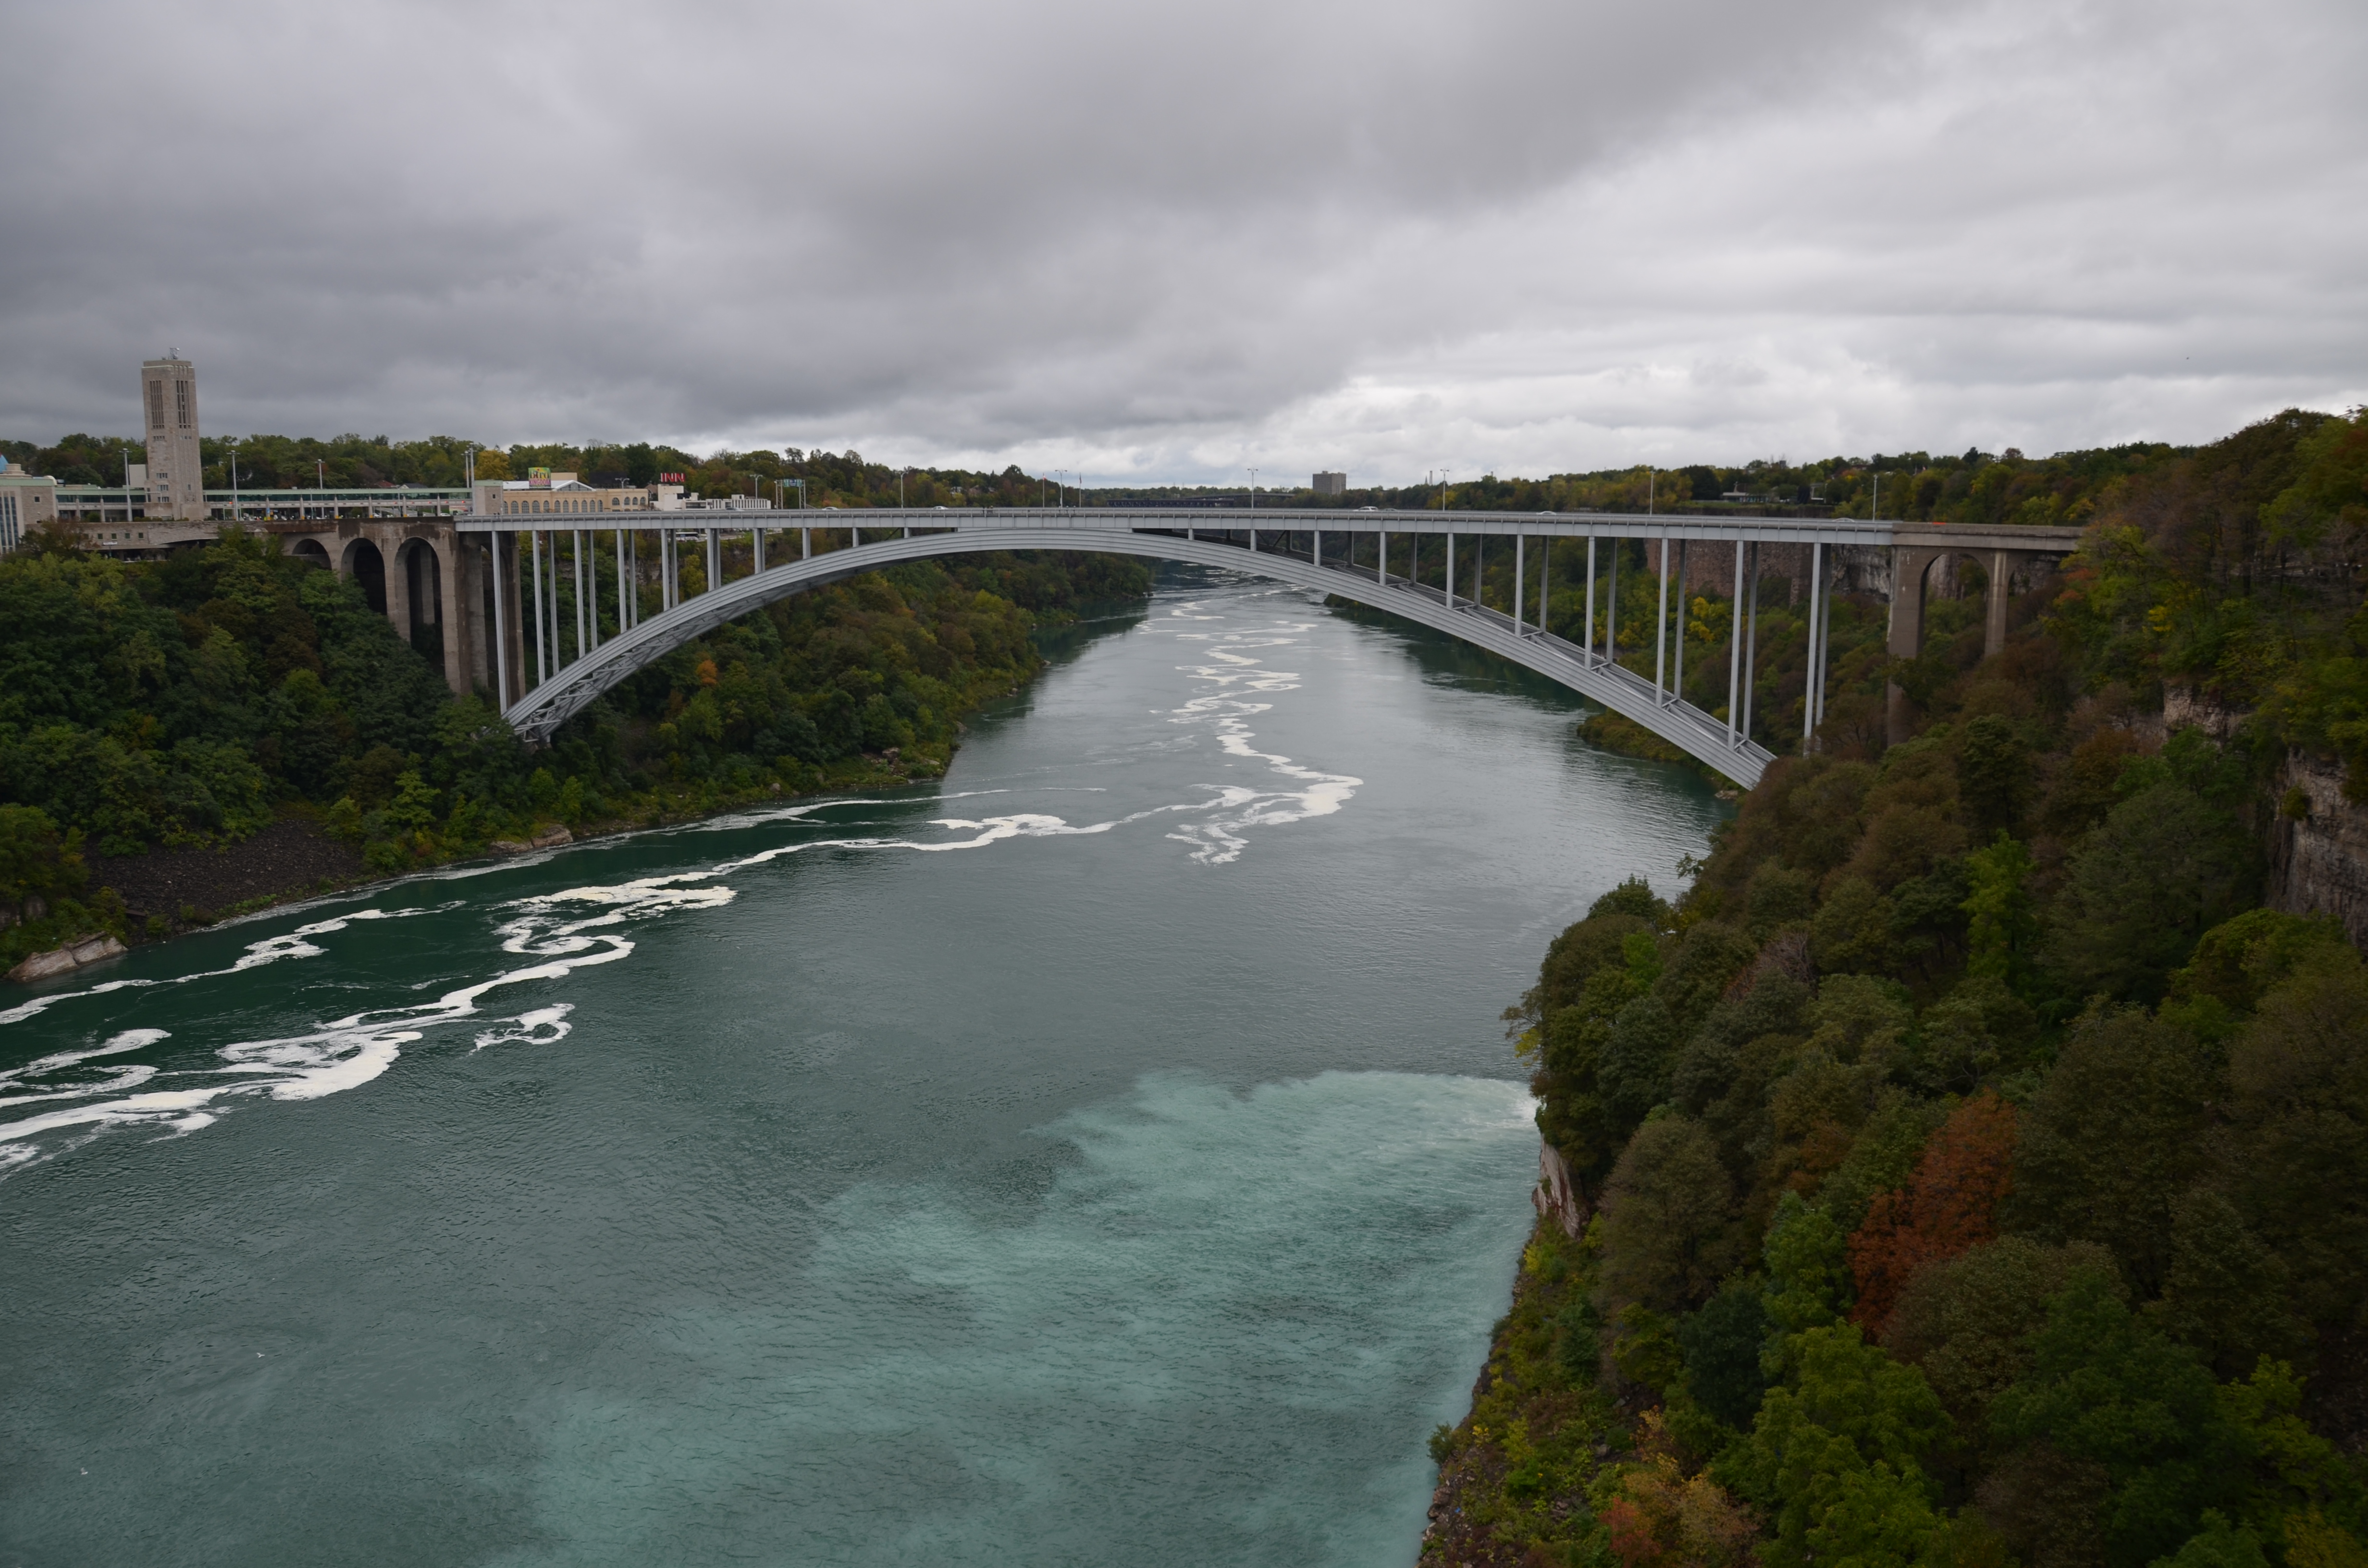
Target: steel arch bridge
x=1286, y=547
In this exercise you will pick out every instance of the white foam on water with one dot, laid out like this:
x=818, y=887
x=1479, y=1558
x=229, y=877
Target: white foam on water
x=296, y=944
x=1235, y=669
x=343, y=1053
x=581, y=926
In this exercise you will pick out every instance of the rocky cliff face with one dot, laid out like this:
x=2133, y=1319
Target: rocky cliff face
x=1556, y=1198
x=2318, y=847
x=2318, y=858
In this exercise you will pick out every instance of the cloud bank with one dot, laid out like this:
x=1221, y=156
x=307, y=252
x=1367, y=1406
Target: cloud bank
x=1172, y=243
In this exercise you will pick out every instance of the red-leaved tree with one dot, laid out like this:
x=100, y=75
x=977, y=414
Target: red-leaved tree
x=1949, y=1207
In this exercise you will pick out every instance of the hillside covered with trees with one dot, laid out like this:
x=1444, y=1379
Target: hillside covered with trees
x=190, y=701
x=1969, y=1168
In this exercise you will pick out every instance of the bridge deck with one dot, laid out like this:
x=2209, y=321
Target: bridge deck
x=1216, y=519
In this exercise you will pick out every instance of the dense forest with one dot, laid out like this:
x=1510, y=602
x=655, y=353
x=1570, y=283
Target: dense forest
x=191, y=701
x=1973, y=1170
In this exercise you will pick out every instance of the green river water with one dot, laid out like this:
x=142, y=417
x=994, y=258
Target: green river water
x=1110, y=1154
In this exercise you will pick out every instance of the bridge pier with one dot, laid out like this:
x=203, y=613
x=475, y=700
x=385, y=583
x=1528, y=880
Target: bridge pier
x=1911, y=568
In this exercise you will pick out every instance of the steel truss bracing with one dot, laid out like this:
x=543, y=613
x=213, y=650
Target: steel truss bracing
x=564, y=686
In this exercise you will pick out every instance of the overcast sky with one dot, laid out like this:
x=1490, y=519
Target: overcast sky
x=1176, y=242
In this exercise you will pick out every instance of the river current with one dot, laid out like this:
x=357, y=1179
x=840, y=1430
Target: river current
x=1108, y=1154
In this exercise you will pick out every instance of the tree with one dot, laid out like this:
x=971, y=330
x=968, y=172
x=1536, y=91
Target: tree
x=1721, y=1344
x=1667, y=1225
x=2164, y=867
x=2001, y=931
x=1994, y=775
x=36, y=860
x=1949, y=1207
x=1807, y=1258
x=2107, y=1389
x=1967, y=1321
x=2296, y=1154
x=1836, y=1455
x=2112, y=1137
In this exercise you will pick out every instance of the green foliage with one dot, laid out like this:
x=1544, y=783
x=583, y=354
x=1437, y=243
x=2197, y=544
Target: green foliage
x=2113, y=1135
x=1836, y=1455
x=2165, y=867
x=188, y=700
x=2032, y=908
x=2001, y=926
x=1966, y=1322
x=1994, y=776
x=1721, y=1344
x=1807, y=1258
x=2294, y=1159
x=2218, y=1544
x=36, y=860
x=1667, y=1226
x=2106, y=1388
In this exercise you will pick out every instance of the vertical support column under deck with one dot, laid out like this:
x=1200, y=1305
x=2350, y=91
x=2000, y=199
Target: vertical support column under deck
x=625, y=621
x=541, y=664
x=556, y=665
x=583, y=599
x=1479, y=571
x=1735, y=649
x=1546, y=566
x=1382, y=558
x=1825, y=633
x=757, y=545
x=1449, y=578
x=805, y=544
x=1520, y=555
x=1591, y=595
x=666, y=568
x=1809, y=686
x=502, y=545
x=1678, y=675
x=1611, y=611
x=715, y=559
x=1994, y=606
x=1661, y=624
x=1751, y=644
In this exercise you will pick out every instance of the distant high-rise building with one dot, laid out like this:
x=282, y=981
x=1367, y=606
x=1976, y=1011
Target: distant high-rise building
x=1331, y=484
x=177, y=473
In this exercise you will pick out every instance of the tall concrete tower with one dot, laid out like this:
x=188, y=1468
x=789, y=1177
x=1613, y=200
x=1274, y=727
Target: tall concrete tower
x=177, y=474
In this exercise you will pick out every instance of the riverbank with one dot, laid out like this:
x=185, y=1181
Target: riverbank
x=138, y=900
x=281, y=756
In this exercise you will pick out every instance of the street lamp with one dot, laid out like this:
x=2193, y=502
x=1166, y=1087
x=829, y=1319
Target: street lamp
x=1253, y=490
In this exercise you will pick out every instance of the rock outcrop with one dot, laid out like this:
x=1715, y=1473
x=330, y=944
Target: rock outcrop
x=59, y=960
x=1557, y=1197
x=2319, y=857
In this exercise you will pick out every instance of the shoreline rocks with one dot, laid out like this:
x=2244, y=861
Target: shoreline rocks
x=550, y=839
x=73, y=956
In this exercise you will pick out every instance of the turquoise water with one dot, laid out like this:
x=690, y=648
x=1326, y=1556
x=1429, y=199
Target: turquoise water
x=1110, y=1154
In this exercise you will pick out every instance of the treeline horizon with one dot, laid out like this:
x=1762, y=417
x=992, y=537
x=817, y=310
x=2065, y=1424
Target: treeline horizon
x=1974, y=486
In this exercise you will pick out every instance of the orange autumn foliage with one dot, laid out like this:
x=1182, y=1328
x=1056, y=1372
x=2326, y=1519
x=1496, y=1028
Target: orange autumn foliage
x=1950, y=1206
x=1664, y=1518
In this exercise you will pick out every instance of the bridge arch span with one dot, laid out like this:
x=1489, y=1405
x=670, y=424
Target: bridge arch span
x=544, y=708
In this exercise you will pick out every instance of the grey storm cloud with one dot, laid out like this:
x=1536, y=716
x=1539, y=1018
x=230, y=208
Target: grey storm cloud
x=1172, y=241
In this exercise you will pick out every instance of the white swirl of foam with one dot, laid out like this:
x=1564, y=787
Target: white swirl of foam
x=1219, y=840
